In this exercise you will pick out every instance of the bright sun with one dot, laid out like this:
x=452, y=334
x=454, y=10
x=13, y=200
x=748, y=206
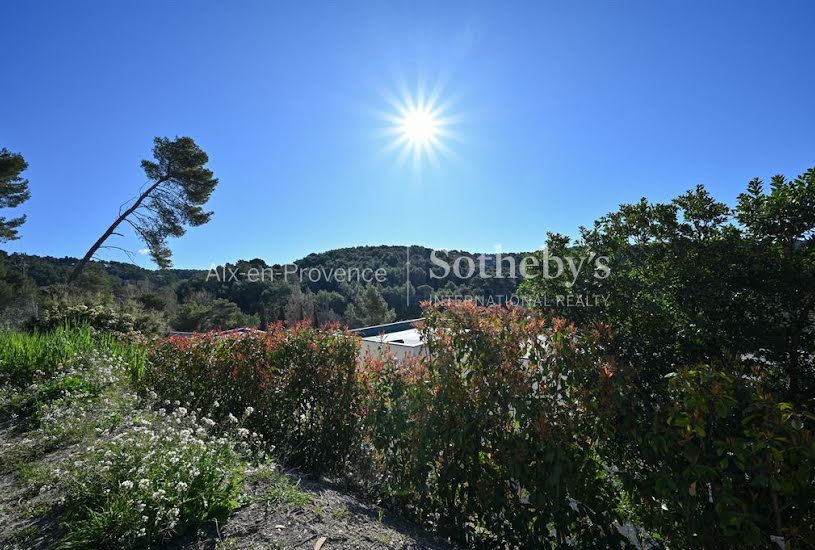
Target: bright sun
x=419, y=127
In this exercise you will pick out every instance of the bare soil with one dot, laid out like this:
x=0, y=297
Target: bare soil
x=326, y=518
x=333, y=519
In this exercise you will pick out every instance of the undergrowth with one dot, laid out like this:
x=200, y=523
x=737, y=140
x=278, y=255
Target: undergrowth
x=115, y=469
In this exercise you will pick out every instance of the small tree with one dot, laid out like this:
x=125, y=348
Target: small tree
x=180, y=185
x=369, y=308
x=13, y=191
x=300, y=305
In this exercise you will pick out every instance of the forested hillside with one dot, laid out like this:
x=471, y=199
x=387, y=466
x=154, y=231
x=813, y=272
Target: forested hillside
x=224, y=297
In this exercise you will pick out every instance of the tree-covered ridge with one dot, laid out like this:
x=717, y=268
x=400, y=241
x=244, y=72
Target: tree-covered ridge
x=189, y=299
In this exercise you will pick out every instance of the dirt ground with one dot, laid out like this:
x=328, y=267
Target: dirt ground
x=308, y=514
x=332, y=519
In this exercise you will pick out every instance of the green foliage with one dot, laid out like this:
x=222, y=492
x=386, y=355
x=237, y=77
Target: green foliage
x=782, y=223
x=136, y=478
x=76, y=400
x=682, y=406
x=300, y=305
x=488, y=437
x=719, y=461
x=281, y=491
x=301, y=384
x=94, y=280
x=31, y=357
x=272, y=299
x=13, y=191
x=369, y=308
x=513, y=430
x=181, y=186
x=329, y=306
x=119, y=322
x=529, y=434
x=29, y=280
x=18, y=295
x=687, y=286
x=156, y=477
x=220, y=314
x=709, y=416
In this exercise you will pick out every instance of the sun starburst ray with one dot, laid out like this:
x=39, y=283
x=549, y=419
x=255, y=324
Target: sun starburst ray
x=418, y=124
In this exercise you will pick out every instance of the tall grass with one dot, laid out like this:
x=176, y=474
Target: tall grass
x=135, y=477
x=26, y=356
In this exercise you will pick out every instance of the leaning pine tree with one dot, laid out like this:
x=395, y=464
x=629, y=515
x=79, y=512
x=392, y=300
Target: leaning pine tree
x=179, y=185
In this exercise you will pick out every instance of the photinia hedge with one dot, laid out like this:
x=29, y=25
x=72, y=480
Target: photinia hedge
x=301, y=383
x=513, y=430
x=488, y=439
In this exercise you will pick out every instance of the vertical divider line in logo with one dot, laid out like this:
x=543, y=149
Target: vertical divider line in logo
x=407, y=275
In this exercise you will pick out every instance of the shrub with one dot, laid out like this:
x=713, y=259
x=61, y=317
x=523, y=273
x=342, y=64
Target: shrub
x=518, y=431
x=74, y=384
x=219, y=314
x=716, y=459
x=301, y=383
x=126, y=323
x=156, y=476
x=488, y=432
x=185, y=474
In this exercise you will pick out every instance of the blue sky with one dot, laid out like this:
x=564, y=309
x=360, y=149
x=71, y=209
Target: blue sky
x=560, y=111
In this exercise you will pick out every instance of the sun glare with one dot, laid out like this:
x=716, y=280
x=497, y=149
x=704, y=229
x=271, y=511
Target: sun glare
x=419, y=127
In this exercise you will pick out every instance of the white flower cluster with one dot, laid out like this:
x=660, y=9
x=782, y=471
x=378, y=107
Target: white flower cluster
x=154, y=461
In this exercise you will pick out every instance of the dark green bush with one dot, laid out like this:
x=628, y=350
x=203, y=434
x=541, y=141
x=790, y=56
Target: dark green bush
x=716, y=459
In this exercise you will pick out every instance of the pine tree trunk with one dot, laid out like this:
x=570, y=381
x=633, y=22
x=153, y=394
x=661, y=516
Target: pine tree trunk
x=101, y=240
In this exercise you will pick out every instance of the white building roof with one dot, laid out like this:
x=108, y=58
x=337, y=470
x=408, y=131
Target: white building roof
x=409, y=337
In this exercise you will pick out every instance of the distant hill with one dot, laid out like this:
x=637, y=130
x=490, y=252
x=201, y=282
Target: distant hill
x=322, y=286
